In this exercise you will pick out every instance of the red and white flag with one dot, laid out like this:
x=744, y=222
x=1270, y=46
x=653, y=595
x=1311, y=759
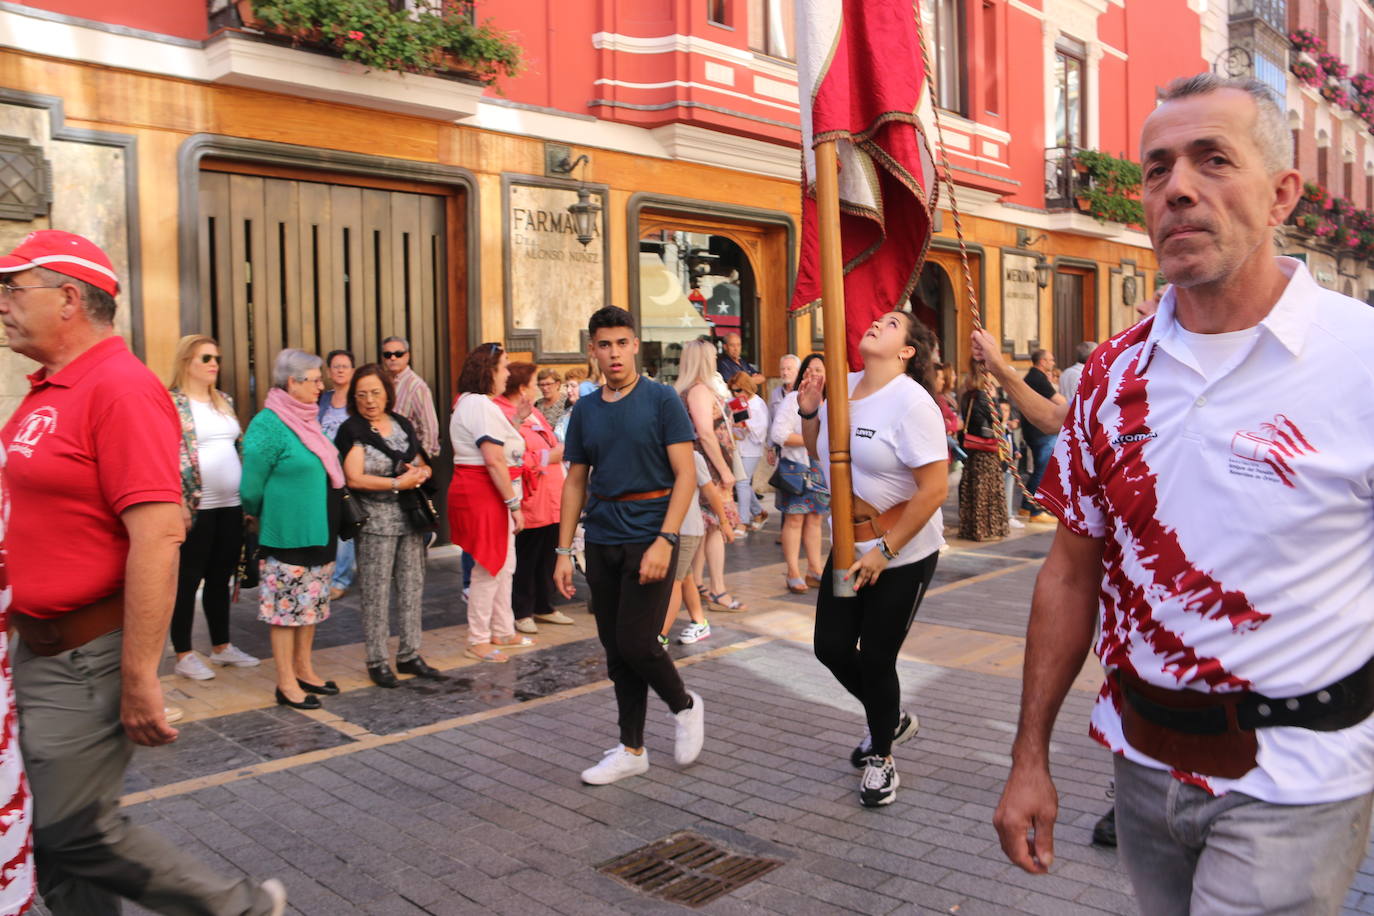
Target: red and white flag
x=862, y=83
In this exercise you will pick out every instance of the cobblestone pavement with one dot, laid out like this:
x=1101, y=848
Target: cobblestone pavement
x=465, y=798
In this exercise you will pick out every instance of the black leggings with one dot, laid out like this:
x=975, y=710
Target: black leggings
x=532, y=586
x=210, y=553
x=628, y=618
x=858, y=640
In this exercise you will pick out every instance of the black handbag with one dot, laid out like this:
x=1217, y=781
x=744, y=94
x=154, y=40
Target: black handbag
x=417, y=505
x=352, y=516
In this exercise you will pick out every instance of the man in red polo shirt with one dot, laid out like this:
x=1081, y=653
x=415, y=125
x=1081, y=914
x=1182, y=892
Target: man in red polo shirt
x=93, y=543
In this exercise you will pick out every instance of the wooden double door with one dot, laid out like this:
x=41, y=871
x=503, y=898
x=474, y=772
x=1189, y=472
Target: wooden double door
x=286, y=262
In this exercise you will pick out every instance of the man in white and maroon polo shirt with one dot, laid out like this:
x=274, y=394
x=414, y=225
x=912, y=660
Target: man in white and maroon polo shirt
x=1221, y=528
x=93, y=541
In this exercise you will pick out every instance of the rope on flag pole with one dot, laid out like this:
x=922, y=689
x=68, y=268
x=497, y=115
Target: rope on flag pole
x=944, y=173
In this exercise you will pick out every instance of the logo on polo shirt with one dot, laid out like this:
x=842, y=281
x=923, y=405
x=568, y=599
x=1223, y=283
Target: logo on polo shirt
x=1128, y=438
x=864, y=433
x=1269, y=452
x=32, y=429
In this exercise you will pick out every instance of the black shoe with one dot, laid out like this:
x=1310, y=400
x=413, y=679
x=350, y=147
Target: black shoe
x=420, y=668
x=310, y=702
x=382, y=675
x=878, y=785
x=327, y=689
x=1104, y=831
x=907, y=726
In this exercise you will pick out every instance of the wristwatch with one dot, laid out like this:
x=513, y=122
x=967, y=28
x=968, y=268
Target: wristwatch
x=885, y=550
x=565, y=551
x=808, y=416
x=513, y=503
x=669, y=536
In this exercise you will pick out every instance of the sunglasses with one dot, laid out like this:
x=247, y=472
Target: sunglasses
x=393, y=354
x=208, y=358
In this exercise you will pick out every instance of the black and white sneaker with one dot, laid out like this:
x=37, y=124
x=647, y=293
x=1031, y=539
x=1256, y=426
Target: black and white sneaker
x=907, y=727
x=879, y=782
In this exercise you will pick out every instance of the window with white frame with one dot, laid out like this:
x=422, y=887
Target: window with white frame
x=1070, y=93
x=949, y=66
x=772, y=27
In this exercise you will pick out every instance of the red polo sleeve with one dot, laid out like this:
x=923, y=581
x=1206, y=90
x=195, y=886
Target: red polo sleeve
x=135, y=437
x=1070, y=488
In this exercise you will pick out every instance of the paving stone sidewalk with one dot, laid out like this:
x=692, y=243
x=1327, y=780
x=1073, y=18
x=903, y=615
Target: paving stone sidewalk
x=485, y=813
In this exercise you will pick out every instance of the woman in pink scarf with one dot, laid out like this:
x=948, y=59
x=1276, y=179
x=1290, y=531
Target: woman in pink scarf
x=291, y=484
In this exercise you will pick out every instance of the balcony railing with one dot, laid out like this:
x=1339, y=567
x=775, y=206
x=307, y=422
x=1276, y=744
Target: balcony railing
x=1273, y=13
x=1063, y=182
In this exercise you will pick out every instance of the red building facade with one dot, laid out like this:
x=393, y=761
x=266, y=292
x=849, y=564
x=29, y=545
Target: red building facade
x=436, y=207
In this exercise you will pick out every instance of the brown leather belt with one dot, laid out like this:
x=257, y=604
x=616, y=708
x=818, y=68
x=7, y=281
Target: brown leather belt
x=869, y=528
x=634, y=497
x=53, y=636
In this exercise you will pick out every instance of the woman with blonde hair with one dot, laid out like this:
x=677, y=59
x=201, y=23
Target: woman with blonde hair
x=716, y=443
x=210, y=476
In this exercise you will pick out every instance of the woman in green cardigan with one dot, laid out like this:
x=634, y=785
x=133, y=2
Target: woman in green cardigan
x=291, y=484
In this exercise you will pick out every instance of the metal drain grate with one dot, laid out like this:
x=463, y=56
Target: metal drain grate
x=686, y=868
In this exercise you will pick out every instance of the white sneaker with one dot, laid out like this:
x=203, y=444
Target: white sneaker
x=277, y=891
x=694, y=632
x=235, y=656
x=1016, y=523
x=691, y=731
x=616, y=764
x=878, y=785
x=191, y=666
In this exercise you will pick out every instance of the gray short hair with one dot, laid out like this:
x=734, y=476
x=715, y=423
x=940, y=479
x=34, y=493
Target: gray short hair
x=399, y=340
x=1270, y=133
x=98, y=304
x=792, y=356
x=293, y=364
x=1084, y=350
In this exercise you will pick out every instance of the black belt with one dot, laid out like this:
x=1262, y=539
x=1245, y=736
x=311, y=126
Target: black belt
x=1336, y=706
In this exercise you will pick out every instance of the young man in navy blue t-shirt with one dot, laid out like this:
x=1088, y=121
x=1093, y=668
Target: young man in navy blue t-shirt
x=629, y=445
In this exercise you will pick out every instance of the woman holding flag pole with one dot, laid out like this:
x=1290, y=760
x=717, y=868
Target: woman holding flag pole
x=900, y=475
x=862, y=79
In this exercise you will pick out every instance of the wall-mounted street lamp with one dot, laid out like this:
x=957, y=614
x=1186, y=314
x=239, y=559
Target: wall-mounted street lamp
x=559, y=162
x=1042, y=263
x=584, y=216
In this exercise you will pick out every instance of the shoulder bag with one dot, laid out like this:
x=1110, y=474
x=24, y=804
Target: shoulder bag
x=416, y=505
x=972, y=442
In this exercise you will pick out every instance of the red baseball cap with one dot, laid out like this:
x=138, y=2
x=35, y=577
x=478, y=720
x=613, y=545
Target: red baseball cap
x=65, y=253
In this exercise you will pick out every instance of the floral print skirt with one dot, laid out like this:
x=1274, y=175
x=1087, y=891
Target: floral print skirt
x=293, y=596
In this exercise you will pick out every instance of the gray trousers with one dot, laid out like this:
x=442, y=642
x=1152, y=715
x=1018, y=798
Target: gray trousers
x=87, y=853
x=1189, y=852
x=381, y=556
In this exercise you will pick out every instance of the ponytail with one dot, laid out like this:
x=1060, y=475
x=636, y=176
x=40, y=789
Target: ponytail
x=921, y=365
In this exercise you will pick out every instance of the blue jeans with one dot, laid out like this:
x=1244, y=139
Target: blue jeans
x=745, y=497
x=1190, y=852
x=468, y=564
x=345, y=565
x=1040, y=453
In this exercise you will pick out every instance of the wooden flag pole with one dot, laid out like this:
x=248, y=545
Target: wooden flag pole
x=836, y=364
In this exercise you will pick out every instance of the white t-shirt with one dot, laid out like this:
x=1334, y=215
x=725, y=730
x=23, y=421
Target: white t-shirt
x=693, y=525
x=753, y=439
x=477, y=419
x=220, y=468
x=1237, y=518
x=1214, y=353
x=893, y=430
x=787, y=422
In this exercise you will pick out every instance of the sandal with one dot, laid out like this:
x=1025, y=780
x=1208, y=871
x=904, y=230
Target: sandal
x=491, y=655
x=734, y=605
x=813, y=580
x=513, y=642
x=796, y=586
